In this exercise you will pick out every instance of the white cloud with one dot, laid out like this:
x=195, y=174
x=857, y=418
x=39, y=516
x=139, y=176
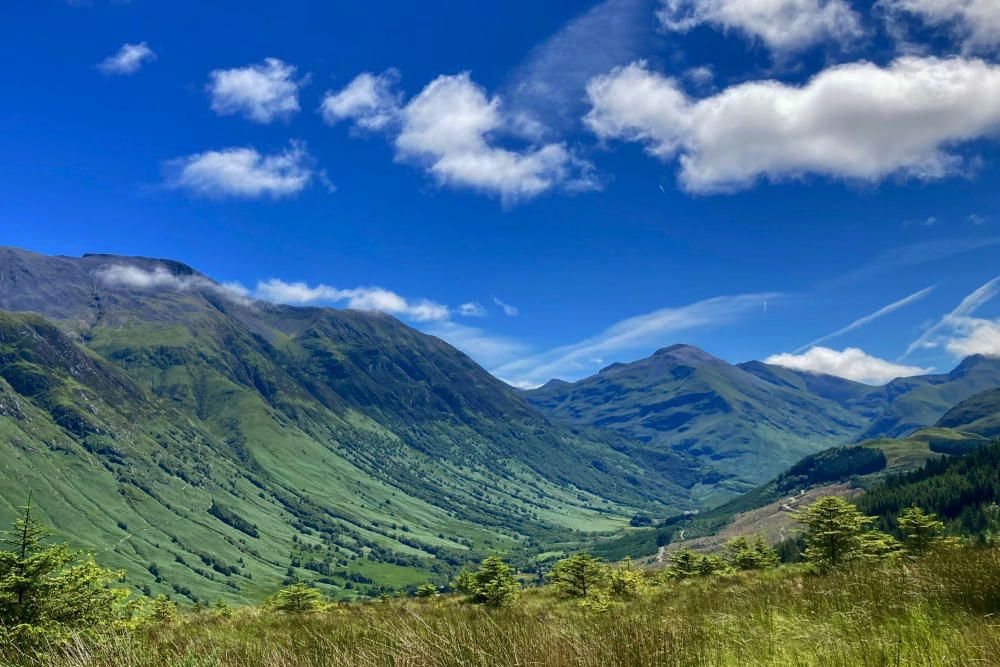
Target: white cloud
x=487, y=349
x=632, y=334
x=867, y=319
x=508, y=310
x=450, y=128
x=976, y=23
x=261, y=93
x=974, y=336
x=857, y=121
x=472, y=309
x=242, y=172
x=136, y=277
x=851, y=363
x=782, y=25
x=961, y=317
x=128, y=59
x=546, y=91
x=369, y=100
x=359, y=298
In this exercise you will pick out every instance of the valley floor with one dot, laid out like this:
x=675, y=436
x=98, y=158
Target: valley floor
x=938, y=611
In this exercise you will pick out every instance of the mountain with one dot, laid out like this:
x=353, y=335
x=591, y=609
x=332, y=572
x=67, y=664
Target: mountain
x=752, y=420
x=214, y=445
x=979, y=414
x=746, y=425
x=877, y=464
x=913, y=402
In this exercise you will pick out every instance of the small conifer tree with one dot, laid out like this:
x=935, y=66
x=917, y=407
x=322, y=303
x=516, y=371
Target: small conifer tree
x=626, y=580
x=494, y=584
x=49, y=591
x=297, y=599
x=578, y=575
x=923, y=531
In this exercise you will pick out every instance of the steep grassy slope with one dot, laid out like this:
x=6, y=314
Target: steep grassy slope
x=684, y=400
x=979, y=414
x=922, y=400
x=333, y=445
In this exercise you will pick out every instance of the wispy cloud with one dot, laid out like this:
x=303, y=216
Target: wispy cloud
x=472, y=309
x=631, y=335
x=158, y=277
x=489, y=350
x=913, y=254
x=862, y=321
x=548, y=88
x=129, y=59
x=959, y=318
x=851, y=363
x=508, y=310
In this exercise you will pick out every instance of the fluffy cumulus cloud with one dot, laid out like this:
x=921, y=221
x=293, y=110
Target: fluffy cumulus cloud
x=858, y=121
x=781, y=25
x=129, y=59
x=851, y=363
x=261, y=93
x=370, y=100
x=242, y=172
x=975, y=23
x=452, y=129
x=359, y=298
x=974, y=335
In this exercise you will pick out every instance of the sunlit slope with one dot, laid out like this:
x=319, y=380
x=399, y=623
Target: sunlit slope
x=337, y=446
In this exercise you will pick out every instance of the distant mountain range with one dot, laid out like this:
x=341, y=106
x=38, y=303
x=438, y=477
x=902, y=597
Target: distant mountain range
x=213, y=445
x=751, y=421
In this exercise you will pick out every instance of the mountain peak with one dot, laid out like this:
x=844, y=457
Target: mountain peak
x=685, y=352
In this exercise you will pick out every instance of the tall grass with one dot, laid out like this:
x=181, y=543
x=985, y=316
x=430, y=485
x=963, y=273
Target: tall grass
x=940, y=611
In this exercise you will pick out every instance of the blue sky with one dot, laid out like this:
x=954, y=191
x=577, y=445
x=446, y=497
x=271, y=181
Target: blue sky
x=549, y=186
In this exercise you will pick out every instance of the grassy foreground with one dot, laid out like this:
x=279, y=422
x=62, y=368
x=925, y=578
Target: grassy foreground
x=937, y=611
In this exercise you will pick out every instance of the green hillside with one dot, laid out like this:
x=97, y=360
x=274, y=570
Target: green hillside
x=682, y=399
x=875, y=464
x=214, y=446
x=979, y=414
